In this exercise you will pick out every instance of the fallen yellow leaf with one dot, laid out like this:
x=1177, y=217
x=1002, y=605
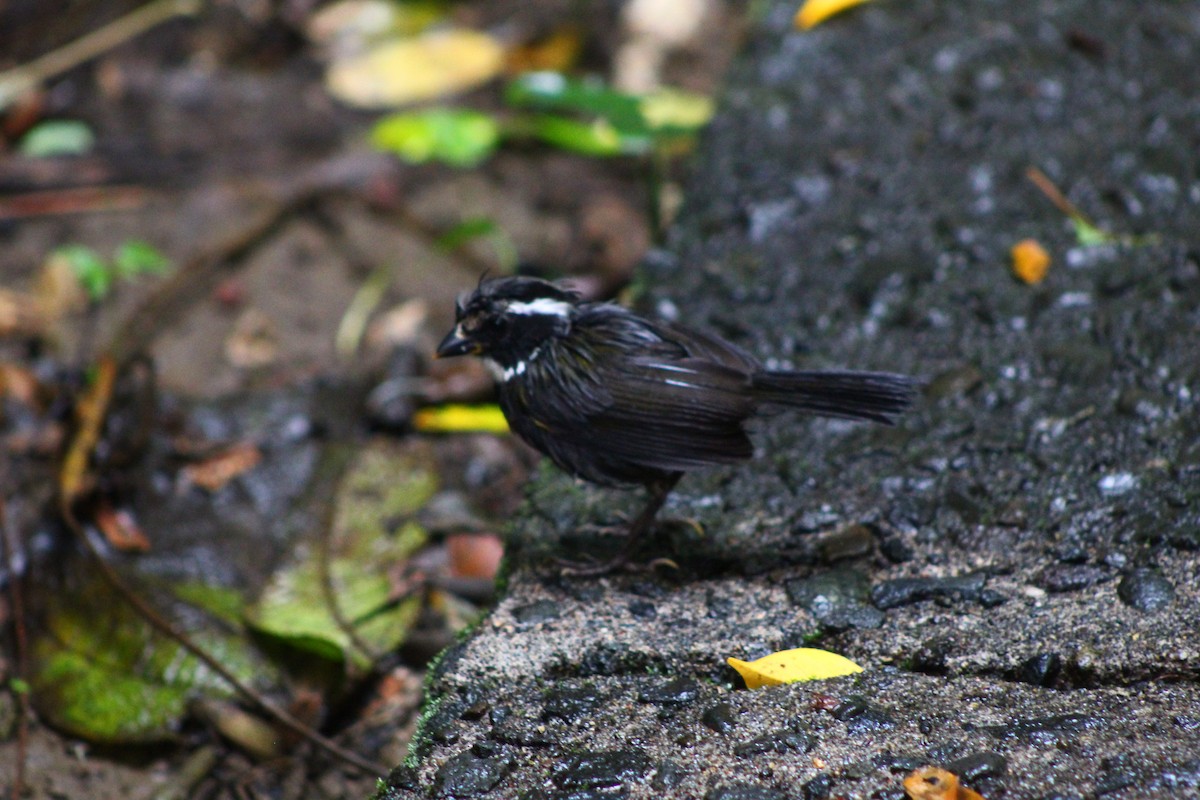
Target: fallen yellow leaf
x=410, y=70
x=814, y=12
x=792, y=666
x=1030, y=261
x=460, y=419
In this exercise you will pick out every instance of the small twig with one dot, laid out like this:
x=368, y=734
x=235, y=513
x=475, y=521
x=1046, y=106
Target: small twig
x=76, y=200
x=19, y=80
x=1055, y=195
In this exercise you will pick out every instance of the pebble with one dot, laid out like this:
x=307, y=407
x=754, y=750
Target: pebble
x=906, y=591
x=602, y=769
x=672, y=693
x=468, y=775
x=719, y=718
x=1145, y=590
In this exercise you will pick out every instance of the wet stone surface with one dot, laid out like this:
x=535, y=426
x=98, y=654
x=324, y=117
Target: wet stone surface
x=1014, y=564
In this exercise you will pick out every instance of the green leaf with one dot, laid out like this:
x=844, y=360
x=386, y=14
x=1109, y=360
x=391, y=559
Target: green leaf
x=386, y=486
x=615, y=123
x=466, y=231
x=552, y=91
x=134, y=258
x=1087, y=234
x=597, y=138
x=474, y=228
x=101, y=672
x=458, y=137
x=93, y=272
x=58, y=137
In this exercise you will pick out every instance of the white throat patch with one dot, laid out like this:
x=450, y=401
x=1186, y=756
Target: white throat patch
x=506, y=374
x=545, y=306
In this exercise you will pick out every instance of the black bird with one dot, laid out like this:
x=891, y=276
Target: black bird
x=620, y=400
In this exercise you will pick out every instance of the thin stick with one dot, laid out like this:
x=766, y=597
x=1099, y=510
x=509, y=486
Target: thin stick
x=19, y=80
x=1054, y=194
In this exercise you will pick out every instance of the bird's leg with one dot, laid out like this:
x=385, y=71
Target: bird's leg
x=659, y=491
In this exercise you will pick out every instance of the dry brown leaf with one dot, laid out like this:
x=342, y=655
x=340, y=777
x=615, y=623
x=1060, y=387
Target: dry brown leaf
x=557, y=52
x=213, y=473
x=121, y=530
x=21, y=385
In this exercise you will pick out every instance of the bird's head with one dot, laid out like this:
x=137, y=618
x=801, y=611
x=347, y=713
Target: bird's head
x=506, y=320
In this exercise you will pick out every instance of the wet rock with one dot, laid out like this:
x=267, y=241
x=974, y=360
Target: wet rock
x=676, y=692
x=523, y=732
x=404, y=777
x=642, y=609
x=468, y=775
x=860, y=716
x=1072, y=577
x=744, y=791
x=1145, y=590
x=717, y=606
x=1117, y=484
x=978, y=766
x=539, y=611
x=896, y=550
x=853, y=541
x=905, y=591
x=1045, y=730
x=784, y=741
x=818, y=788
x=720, y=718
x=837, y=599
x=667, y=775
x=897, y=763
x=990, y=598
x=818, y=520
x=601, y=769
x=1071, y=551
x=1041, y=670
x=571, y=703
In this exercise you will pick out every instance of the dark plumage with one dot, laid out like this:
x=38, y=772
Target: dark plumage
x=618, y=399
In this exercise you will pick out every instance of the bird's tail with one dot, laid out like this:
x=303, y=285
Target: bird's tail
x=876, y=396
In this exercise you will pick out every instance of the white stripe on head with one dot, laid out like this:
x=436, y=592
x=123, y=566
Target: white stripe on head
x=545, y=306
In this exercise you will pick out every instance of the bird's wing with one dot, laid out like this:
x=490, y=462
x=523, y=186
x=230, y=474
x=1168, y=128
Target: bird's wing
x=709, y=347
x=675, y=414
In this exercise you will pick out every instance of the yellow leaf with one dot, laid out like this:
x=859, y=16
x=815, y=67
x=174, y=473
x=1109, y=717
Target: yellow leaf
x=410, y=70
x=460, y=419
x=791, y=666
x=1030, y=261
x=814, y=12
x=671, y=108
